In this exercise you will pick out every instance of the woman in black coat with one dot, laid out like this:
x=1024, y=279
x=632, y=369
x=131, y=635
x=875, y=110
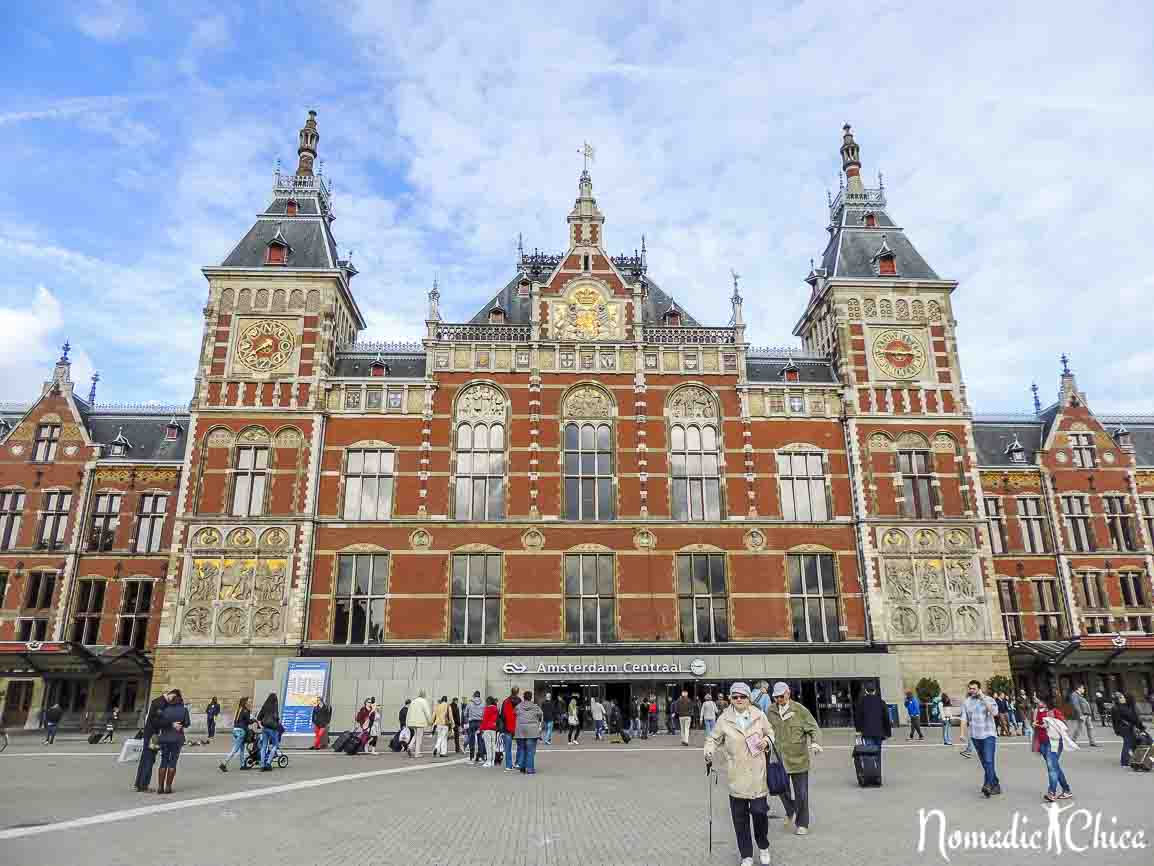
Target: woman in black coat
x=1127, y=725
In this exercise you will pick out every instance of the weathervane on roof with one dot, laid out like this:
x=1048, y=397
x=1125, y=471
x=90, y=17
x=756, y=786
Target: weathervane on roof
x=1065, y=364
x=587, y=151
x=736, y=276
x=92, y=390
x=1037, y=402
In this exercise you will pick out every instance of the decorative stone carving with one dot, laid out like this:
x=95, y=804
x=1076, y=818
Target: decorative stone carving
x=231, y=622
x=926, y=539
x=937, y=620
x=207, y=537
x=969, y=621
x=532, y=539
x=481, y=403
x=913, y=440
x=17, y=449
x=881, y=443
x=166, y=477
x=420, y=539
x=586, y=314
x=197, y=620
x=275, y=537
x=270, y=580
x=930, y=581
x=755, y=540
x=918, y=310
x=958, y=539
x=71, y=433
x=904, y=620
x=895, y=539
x=586, y=401
x=220, y=438
x=853, y=308
x=288, y=438
x=944, y=444
x=903, y=309
x=22, y=433
x=1061, y=457
x=266, y=622
x=113, y=476
x=202, y=586
x=257, y=435
x=871, y=308
x=643, y=539
x=935, y=311
x=692, y=402
x=958, y=578
x=236, y=579
x=70, y=451
x=900, y=581
x=242, y=537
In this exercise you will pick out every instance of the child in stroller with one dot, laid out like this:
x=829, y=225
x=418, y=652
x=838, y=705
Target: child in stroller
x=252, y=755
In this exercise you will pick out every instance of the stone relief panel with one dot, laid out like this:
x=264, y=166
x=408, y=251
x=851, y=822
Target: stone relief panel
x=481, y=403
x=586, y=401
x=931, y=583
x=587, y=313
x=692, y=401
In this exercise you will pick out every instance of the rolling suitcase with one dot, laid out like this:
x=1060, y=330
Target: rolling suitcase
x=625, y=736
x=1142, y=758
x=94, y=738
x=867, y=762
x=356, y=743
x=342, y=741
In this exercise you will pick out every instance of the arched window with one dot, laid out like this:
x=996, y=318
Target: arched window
x=480, y=471
x=588, y=471
x=695, y=471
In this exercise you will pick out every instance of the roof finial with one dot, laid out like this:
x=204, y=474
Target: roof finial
x=736, y=294
x=1065, y=364
x=307, y=147
x=587, y=152
x=520, y=248
x=881, y=180
x=851, y=161
x=92, y=390
x=64, y=350
x=1037, y=402
x=643, y=250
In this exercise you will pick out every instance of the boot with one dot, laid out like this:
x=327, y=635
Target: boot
x=171, y=776
x=161, y=775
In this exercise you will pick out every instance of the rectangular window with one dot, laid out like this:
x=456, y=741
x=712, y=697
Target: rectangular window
x=588, y=472
x=917, y=483
x=480, y=475
x=704, y=600
x=3, y=587
x=32, y=628
x=1133, y=589
x=11, y=514
x=1048, y=609
x=1011, y=615
x=1092, y=589
x=1120, y=522
x=369, y=485
x=476, y=602
x=47, y=438
x=150, y=522
x=1033, y=524
x=1096, y=624
x=813, y=597
x=54, y=519
x=72, y=695
x=589, y=598
x=1139, y=624
x=996, y=522
x=695, y=470
x=361, y=596
x=86, y=611
x=1076, y=513
x=132, y=629
x=105, y=521
x=1082, y=450
x=1148, y=518
x=801, y=482
x=249, y=479
x=38, y=593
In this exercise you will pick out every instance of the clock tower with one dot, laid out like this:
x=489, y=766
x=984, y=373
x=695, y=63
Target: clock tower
x=884, y=316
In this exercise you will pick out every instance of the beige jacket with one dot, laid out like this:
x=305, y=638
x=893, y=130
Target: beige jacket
x=420, y=714
x=746, y=771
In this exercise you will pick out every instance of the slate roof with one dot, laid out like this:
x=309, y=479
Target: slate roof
x=145, y=433
x=991, y=439
x=808, y=371
x=310, y=241
x=851, y=247
x=401, y=365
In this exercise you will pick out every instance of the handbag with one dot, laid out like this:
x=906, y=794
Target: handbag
x=775, y=776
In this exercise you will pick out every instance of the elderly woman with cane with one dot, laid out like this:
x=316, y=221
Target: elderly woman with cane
x=744, y=734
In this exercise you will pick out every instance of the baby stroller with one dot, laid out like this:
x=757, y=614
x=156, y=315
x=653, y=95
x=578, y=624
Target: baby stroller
x=252, y=757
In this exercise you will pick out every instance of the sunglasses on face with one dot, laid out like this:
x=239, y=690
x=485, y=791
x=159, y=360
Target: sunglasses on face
x=738, y=698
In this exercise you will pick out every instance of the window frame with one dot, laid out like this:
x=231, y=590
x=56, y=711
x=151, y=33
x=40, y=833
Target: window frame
x=462, y=598
x=1092, y=589
x=912, y=480
x=682, y=480
x=1147, y=505
x=489, y=480
x=1082, y=450
x=1032, y=524
x=47, y=441
x=603, y=597
x=104, y=521
x=1012, y=617
x=808, y=482
x=385, y=492
x=12, y=503
x=800, y=594
x=135, y=618
x=56, y=505
x=996, y=524
x=374, y=559
x=150, y=523
x=87, y=613
x=1079, y=523
x=1133, y=586
x=1048, y=619
x=603, y=484
x=690, y=600
x=244, y=477
x=1119, y=522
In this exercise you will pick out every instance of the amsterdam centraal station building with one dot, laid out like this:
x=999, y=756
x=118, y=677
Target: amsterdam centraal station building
x=583, y=488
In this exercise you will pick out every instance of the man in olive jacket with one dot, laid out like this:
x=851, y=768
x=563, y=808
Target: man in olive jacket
x=796, y=735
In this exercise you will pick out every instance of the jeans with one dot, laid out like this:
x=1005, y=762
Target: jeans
x=50, y=735
x=547, y=734
x=507, y=739
x=599, y=729
x=986, y=747
x=709, y=723
x=211, y=727
x=574, y=733
x=946, y=732
x=797, y=806
x=527, y=754
x=488, y=746
x=144, y=767
x=237, y=746
x=1127, y=747
x=476, y=743
x=685, y=720
x=743, y=812
x=1055, y=778
x=269, y=740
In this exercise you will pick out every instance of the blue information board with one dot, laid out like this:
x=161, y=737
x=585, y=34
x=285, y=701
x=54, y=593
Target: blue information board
x=304, y=683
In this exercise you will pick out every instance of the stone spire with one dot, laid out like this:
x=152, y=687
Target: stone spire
x=735, y=300
x=92, y=390
x=1068, y=393
x=585, y=220
x=307, y=149
x=851, y=161
x=435, y=302
x=62, y=372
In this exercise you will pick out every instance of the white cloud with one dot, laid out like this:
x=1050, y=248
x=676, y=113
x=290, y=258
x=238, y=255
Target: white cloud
x=108, y=20
x=29, y=342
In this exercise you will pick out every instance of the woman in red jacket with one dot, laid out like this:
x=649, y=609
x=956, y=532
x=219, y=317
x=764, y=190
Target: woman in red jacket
x=489, y=731
x=1050, y=748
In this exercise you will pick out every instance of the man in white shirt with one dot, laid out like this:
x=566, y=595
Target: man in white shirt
x=708, y=714
x=597, y=711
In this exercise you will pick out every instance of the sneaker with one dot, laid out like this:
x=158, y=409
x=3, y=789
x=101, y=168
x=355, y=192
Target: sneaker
x=1066, y=795
x=764, y=857
x=966, y=754
x=986, y=791
x=224, y=768
x=802, y=831
x=531, y=772
x=788, y=821
x=1049, y=798
x=746, y=861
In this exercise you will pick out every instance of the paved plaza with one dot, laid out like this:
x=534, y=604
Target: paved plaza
x=590, y=805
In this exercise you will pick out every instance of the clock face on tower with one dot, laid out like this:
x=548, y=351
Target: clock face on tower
x=899, y=354
x=265, y=345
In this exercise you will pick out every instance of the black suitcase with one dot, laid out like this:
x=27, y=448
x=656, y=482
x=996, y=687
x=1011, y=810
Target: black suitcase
x=356, y=743
x=343, y=740
x=94, y=738
x=625, y=737
x=867, y=762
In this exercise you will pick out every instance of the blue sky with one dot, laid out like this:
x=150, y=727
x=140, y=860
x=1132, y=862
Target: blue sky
x=1015, y=140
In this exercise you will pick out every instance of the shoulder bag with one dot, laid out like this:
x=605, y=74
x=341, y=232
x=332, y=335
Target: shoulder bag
x=775, y=776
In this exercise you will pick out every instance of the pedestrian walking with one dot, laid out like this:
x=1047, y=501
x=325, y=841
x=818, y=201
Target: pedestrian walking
x=549, y=718
x=760, y=697
x=455, y=721
x=111, y=719
x=1003, y=720
x=744, y=734
x=52, y=717
x=322, y=717
x=872, y=718
x=684, y=707
x=474, y=712
x=528, y=731
x=1051, y=737
x=488, y=728
x=241, y=721
x=1127, y=725
x=980, y=713
x=574, y=720
x=173, y=721
x=270, y=730
x=507, y=724
x=652, y=715
x=1100, y=705
x=597, y=714
x=914, y=708
x=614, y=720
x=210, y=714
x=368, y=716
x=147, y=733
x=947, y=712
x=442, y=719
x=403, y=715
x=797, y=736
x=1081, y=716
x=708, y=714
x=418, y=717
x=1023, y=712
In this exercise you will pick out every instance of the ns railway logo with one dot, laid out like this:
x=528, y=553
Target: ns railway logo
x=696, y=667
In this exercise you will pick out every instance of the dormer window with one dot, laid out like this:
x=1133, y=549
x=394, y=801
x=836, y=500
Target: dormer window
x=378, y=368
x=523, y=289
x=278, y=249
x=172, y=431
x=1016, y=451
x=884, y=262
x=496, y=316
x=790, y=372
x=120, y=445
x=869, y=220
x=1122, y=437
x=290, y=208
x=672, y=317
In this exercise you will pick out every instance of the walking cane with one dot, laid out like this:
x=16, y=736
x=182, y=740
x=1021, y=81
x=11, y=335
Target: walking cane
x=709, y=797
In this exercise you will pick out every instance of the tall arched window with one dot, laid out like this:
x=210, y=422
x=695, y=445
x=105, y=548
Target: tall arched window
x=480, y=459
x=588, y=454
x=694, y=455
